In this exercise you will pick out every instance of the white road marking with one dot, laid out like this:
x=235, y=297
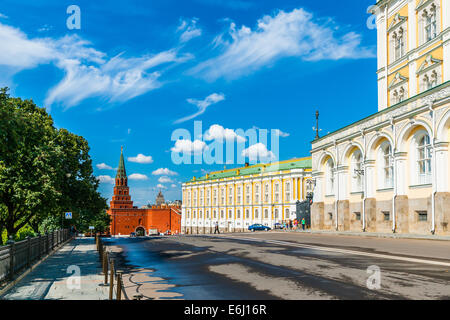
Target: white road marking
x=344, y=251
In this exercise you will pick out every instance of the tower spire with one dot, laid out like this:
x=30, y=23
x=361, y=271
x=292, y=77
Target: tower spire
x=121, y=173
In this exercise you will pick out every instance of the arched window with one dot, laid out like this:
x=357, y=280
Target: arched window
x=423, y=158
x=287, y=214
x=230, y=214
x=200, y=215
x=430, y=23
x=276, y=214
x=356, y=171
x=207, y=214
x=238, y=214
x=256, y=214
x=329, y=174
x=221, y=214
x=386, y=166
x=266, y=214
x=247, y=214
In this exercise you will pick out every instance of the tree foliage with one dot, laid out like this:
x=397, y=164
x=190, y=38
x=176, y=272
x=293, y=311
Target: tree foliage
x=44, y=171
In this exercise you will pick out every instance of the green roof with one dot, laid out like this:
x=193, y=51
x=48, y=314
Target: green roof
x=303, y=163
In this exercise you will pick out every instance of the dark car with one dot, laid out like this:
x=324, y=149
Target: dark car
x=133, y=234
x=258, y=226
x=279, y=226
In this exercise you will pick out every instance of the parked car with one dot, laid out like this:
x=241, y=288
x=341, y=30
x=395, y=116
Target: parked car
x=133, y=234
x=258, y=226
x=279, y=226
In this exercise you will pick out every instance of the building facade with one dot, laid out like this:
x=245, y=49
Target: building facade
x=390, y=172
x=238, y=198
x=126, y=218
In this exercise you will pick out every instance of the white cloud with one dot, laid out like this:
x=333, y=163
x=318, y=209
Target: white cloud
x=189, y=30
x=106, y=179
x=173, y=185
x=189, y=147
x=103, y=166
x=202, y=105
x=280, y=133
x=165, y=180
x=285, y=34
x=88, y=72
x=164, y=171
x=258, y=152
x=18, y=52
x=160, y=186
x=217, y=132
x=2, y=16
x=140, y=158
x=137, y=176
x=129, y=131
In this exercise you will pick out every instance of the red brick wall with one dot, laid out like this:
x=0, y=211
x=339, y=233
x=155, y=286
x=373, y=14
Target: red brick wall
x=125, y=221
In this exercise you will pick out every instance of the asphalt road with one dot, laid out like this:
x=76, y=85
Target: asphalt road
x=278, y=265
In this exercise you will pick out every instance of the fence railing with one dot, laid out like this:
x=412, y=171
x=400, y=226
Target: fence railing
x=109, y=270
x=17, y=256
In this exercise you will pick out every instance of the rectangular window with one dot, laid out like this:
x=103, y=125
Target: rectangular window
x=386, y=215
x=358, y=216
x=422, y=215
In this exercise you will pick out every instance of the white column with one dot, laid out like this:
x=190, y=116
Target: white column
x=442, y=184
x=369, y=173
x=401, y=174
x=342, y=179
x=318, y=189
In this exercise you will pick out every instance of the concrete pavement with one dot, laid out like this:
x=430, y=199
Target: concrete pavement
x=71, y=273
x=278, y=265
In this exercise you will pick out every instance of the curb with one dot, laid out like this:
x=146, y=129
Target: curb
x=379, y=235
x=11, y=284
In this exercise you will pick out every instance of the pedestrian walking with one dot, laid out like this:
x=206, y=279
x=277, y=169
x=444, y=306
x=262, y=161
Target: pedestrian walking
x=216, y=229
x=303, y=223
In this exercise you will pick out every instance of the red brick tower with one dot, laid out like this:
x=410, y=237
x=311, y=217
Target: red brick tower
x=121, y=198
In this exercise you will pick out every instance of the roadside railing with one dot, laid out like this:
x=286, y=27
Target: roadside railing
x=18, y=256
x=116, y=288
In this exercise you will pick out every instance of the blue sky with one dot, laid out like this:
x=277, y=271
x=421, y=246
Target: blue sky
x=138, y=70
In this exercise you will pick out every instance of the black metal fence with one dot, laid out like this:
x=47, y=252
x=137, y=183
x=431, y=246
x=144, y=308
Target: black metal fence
x=16, y=256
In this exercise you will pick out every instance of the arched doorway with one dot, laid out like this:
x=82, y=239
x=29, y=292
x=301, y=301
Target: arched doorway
x=140, y=231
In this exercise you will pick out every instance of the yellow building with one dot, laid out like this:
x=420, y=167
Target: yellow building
x=390, y=171
x=237, y=198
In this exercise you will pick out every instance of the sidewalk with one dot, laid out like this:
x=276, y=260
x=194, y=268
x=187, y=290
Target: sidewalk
x=54, y=280
x=375, y=234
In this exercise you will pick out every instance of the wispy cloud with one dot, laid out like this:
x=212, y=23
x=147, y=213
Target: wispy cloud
x=165, y=180
x=164, y=171
x=202, y=105
x=280, y=133
x=103, y=166
x=285, y=34
x=140, y=158
x=106, y=179
x=189, y=30
x=88, y=71
x=137, y=176
x=2, y=16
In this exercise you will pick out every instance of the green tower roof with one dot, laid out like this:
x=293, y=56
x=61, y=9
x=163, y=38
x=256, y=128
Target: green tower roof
x=121, y=173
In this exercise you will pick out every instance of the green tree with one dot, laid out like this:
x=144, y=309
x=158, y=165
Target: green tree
x=43, y=171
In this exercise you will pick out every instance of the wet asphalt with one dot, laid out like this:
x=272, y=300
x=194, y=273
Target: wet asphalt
x=204, y=267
